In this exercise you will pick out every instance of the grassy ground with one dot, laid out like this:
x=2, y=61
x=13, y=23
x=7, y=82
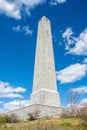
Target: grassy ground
x=48, y=124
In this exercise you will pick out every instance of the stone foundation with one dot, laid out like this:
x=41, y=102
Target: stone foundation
x=45, y=97
x=44, y=111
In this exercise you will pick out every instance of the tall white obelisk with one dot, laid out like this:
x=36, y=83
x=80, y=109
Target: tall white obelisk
x=44, y=83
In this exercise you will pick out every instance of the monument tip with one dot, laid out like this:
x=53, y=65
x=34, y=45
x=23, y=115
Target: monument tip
x=44, y=18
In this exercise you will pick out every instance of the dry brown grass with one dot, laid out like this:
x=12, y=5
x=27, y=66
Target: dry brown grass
x=51, y=123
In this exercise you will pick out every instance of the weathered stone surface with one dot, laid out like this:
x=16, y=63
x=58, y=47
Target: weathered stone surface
x=44, y=83
x=45, y=96
x=44, y=111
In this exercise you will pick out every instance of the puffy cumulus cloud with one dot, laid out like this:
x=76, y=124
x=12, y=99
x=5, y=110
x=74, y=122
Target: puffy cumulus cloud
x=80, y=90
x=55, y=2
x=75, y=45
x=72, y=73
x=67, y=33
x=11, y=95
x=16, y=104
x=27, y=5
x=31, y=3
x=10, y=9
x=15, y=8
x=83, y=102
x=69, y=39
x=25, y=29
x=80, y=47
x=6, y=90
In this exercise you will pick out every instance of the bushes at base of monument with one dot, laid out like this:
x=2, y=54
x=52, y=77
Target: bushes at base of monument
x=74, y=112
x=5, y=119
x=80, y=113
x=34, y=115
x=8, y=119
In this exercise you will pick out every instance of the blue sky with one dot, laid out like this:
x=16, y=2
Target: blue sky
x=18, y=34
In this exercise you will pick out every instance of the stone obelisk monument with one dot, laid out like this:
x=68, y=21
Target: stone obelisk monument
x=45, y=96
x=44, y=83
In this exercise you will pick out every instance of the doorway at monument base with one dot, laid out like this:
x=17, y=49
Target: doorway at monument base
x=44, y=111
x=45, y=97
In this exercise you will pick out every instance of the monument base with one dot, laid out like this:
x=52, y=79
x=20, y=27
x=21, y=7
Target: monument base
x=45, y=97
x=44, y=111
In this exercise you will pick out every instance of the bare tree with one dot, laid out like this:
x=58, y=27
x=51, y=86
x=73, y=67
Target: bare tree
x=34, y=115
x=74, y=99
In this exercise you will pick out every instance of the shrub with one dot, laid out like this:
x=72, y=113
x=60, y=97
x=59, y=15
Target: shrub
x=14, y=118
x=8, y=119
x=5, y=119
x=69, y=112
x=31, y=117
x=34, y=115
x=66, y=124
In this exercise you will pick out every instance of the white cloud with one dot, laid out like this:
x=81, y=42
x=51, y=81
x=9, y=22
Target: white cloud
x=11, y=95
x=1, y=111
x=72, y=73
x=83, y=102
x=67, y=33
x=79, y=104
x=15, y=8
x=17, y=28
x=80, y=90
x=16, y=104
x=68, y=37
x=75, y=45
x=1, y=102
x=25, y=29
x=9, y=9
x=6, y=90
x=32, y=3
x=60, y=1
x=55, y=2
x=85, y=61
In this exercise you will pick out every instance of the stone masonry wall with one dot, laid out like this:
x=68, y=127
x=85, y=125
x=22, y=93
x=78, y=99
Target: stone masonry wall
x=22, y=113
